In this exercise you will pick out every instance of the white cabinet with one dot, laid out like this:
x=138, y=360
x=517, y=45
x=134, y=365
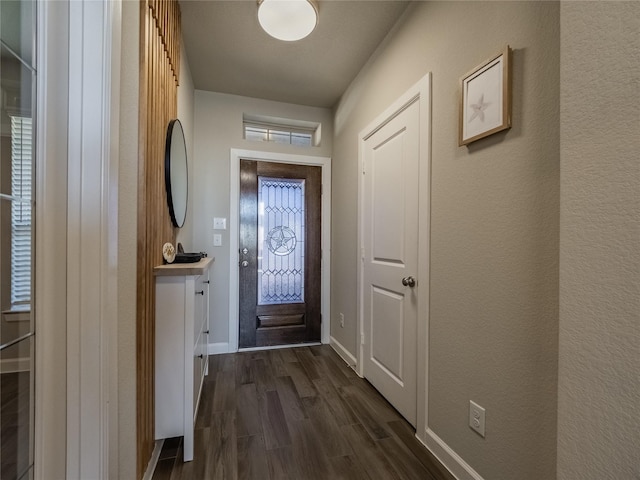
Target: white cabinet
x=182, y=339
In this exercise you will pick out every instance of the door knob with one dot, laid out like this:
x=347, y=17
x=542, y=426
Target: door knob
x=409, y=282
x=245, y=263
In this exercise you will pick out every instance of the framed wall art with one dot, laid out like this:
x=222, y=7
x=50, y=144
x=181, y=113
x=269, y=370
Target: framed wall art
x=485, y=99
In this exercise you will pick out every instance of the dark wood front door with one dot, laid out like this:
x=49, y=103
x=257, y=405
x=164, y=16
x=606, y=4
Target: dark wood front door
x=280, y=253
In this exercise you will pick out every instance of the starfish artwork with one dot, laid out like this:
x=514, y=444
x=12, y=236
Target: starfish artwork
x=281, y=241
x=478, y=109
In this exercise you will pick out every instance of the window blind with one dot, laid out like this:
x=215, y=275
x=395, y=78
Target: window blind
x=21, y=207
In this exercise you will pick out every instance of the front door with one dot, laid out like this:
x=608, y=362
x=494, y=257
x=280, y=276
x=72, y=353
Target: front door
x=390, y=239
x=280, y=253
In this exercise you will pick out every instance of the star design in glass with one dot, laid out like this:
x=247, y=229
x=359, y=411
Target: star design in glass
x=478, y=109
x=281, y=240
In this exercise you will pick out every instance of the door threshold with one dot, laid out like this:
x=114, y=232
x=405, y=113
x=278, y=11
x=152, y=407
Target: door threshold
x=274, y=347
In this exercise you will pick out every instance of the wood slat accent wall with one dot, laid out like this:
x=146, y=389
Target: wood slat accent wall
x=159, y=75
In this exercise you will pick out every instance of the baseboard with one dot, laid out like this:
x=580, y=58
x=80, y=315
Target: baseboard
x=450, y=459
x=343, y=352
x=14, y=365
x=217, y=348
x=278, y=347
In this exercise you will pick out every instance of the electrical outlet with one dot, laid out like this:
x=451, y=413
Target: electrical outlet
x=342, y=320
x=476, y=418
x=217, y=240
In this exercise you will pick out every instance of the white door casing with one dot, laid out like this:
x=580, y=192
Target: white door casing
x=76, y=242
x=92, y=237
x=393, y=235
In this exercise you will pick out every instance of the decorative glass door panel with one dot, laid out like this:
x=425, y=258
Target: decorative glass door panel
x=280, y=241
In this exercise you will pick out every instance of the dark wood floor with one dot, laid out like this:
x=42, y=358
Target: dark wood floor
x=297, y=414
x=15, y=408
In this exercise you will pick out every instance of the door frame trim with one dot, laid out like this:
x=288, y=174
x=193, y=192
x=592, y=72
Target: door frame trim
x=50, y=247
x=235, y=155
x=420, y=92
x=76, y=243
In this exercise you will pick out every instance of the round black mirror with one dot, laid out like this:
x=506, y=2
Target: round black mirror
x=175, y=173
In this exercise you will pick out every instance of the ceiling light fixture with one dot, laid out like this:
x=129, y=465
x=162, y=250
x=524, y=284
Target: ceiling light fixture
x=288, y=20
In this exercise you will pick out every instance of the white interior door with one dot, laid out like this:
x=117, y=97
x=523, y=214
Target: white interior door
x=390, y=272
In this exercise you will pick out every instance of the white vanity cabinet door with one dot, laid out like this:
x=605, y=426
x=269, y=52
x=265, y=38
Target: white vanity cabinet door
x=171, y=306
x=182, y=312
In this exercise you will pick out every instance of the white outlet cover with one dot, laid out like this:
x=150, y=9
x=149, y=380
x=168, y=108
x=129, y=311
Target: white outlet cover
x=219, y=223
x=476, y=417
x=217, y=240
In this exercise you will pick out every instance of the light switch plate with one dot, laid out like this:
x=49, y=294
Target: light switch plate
x=219, y=223
x=217, y=240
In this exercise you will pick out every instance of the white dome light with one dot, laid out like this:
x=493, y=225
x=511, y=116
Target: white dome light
x=288, y=20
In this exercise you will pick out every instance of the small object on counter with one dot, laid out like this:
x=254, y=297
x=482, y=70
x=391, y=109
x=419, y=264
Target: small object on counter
x=188, y=257
x=168, y=252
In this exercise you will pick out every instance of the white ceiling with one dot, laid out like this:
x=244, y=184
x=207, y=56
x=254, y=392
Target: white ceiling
x=229, y=52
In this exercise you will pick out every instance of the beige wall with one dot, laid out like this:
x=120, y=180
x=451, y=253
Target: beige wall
x=599, y=366
x=185, y=114
x=494, y=228
x=218, y=128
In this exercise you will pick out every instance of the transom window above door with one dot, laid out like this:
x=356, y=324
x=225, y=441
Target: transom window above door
x=281, y=130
